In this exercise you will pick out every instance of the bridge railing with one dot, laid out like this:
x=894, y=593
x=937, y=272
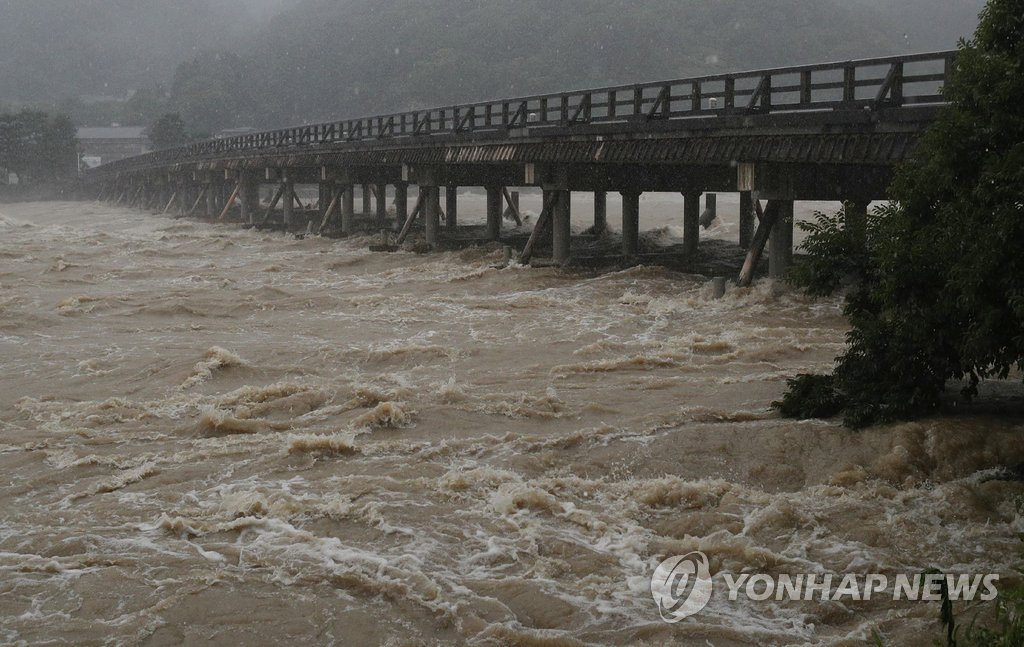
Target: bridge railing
x=850, y=85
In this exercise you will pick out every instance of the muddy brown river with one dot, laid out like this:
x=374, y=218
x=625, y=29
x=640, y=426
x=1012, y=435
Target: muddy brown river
x=212, y=435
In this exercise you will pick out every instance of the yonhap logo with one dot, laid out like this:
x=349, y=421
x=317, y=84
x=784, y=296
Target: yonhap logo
x=681, y=586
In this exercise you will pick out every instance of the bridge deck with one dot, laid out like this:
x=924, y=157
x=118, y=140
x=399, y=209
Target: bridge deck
x=825, y=131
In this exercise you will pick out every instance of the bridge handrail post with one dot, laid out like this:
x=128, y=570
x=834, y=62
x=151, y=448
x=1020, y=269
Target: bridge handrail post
x=849, y=83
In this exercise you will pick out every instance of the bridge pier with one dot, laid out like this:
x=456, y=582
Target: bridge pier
x=250, y=197
x=691, y=224
x=630, y=223
x=600, y=212
x=324, y=194
x=451, y=207
x=288, y=206
x=432, y=213
x=348, y=208
x=561, y=225
x=211, y=199
x=494, y=198
x=780, y=242
x=710, y=212
x=367, y=194
x=184, y=196
x=382, y=205
x=401, y=204
x=748, y=218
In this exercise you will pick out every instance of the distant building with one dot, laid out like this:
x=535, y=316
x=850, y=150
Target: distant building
x=112, y=143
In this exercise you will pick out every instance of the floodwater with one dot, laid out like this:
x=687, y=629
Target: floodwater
x=217, y=435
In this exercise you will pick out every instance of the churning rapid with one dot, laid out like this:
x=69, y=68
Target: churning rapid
x=213, y=434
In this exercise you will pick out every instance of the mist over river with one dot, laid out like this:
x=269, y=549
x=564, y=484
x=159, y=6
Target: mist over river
x=216, y=435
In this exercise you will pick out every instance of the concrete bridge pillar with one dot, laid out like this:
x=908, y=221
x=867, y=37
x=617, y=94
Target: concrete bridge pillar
x=691, y=223
x=748, y=219
x=382, y=205
x=855, y=216
x=780, y=242
x=494, y=196
x=367, y=195
x=451, y=207
x=600, y=212
x=630, y=223
x=348, y=208
x=288, y=204
x=401, y=204
x=561, y=230
x=432, y=213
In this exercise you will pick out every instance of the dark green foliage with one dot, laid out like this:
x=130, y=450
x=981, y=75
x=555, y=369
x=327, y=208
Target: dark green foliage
x=941, y=273
x=1008, y=629
x=837, y=257
x=811, y=396
x=37, y=146
x=168, y=131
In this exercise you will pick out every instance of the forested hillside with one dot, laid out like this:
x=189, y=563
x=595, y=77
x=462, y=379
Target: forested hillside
x=52, y=49
x=223, y=63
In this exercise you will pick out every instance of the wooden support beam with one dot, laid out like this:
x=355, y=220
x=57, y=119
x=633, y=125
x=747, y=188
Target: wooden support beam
x=199, y=198
x=170, y=202
x=330, y=210
x=764, y=230
x=542, y=221
x=412, y=218
x=513, y=206
x=230, y=202
x=273, y=204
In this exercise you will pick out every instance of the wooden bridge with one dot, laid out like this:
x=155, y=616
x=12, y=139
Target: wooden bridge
x=831, y=131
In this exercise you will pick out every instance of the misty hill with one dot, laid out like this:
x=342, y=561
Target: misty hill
x=275, y=62
x=325, y=59
x=52, y=49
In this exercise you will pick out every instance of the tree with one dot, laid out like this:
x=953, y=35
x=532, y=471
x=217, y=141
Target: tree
x=35, y=145
x=940, y=279
x=213, y=92
x=168, y=131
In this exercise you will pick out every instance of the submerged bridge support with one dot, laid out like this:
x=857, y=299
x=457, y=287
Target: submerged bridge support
x=832, y=131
